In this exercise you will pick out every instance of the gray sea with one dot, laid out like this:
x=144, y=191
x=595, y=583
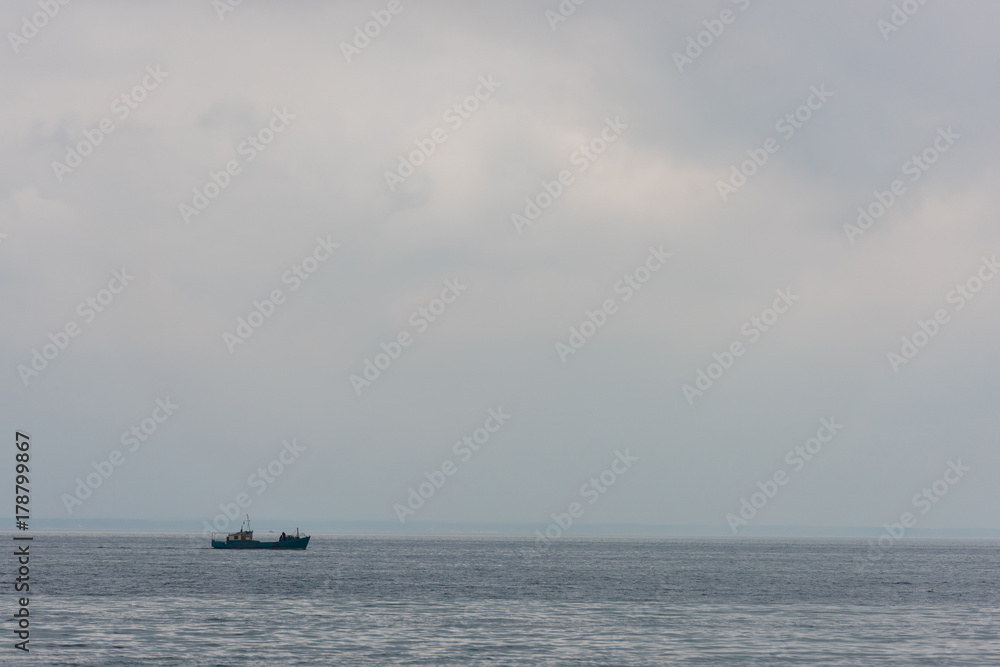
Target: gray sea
x=169, y=599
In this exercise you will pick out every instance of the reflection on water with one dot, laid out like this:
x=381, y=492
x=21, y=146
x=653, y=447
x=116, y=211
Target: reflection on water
x=169, y=600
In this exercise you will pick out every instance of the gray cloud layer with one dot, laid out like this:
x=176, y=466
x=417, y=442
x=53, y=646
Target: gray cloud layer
x=656, y=185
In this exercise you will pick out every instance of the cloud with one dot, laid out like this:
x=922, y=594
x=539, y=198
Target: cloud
x=656, y=184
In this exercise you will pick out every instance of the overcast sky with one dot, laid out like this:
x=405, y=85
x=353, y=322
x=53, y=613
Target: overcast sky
x=331, y=113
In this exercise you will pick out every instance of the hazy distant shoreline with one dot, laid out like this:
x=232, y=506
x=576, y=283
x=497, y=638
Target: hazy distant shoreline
x=527, y=530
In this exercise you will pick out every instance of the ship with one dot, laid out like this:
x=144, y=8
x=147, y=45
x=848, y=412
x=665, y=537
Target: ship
x=243, y=539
